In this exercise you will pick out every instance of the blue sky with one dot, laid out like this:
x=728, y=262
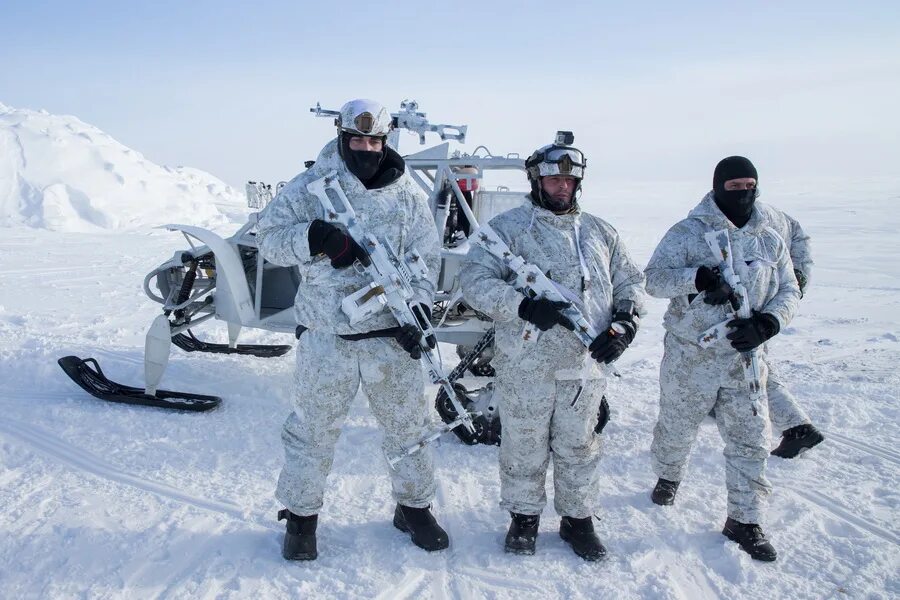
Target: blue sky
x=653, y=90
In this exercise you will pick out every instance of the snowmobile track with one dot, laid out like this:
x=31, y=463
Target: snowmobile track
x=81, y=460
x=408, y=587
x=47, y=270
x=449, y=582
x=872, y=449
x=194, y=550
x=498, y=584
x=838, y=511
x=195, y=558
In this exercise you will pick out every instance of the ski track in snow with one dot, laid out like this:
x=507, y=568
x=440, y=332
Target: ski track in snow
x=836, y=510
x=109, y=501
x=873, y=449
x=84, y=461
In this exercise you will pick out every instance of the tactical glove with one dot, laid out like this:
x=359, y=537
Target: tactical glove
x=751, y=333
x=336, y=244
x=409, y=336
x=802, y=280
x=609, y=345
x=544, y=313
x=717, y=289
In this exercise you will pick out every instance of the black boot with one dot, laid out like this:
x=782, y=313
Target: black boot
x=522, y=534
x=751, y=538
x=579, y=533
x=796, y=440
x=419, y=523
x=300, y=538
x=664, y=492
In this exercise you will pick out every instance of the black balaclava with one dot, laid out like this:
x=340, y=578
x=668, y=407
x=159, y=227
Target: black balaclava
x=737, y=205
x=362, y=163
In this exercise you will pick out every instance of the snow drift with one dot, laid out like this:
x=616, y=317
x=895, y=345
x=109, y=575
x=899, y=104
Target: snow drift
x=61, y=174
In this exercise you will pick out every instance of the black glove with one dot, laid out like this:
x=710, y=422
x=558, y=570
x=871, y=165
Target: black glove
x=410, y=337
x=602, y=415
x=423, y=315
x=544, y=313
x=753, y=332
x=609, y=345
x=717, y=289
x=325, y=238
x=802, y=280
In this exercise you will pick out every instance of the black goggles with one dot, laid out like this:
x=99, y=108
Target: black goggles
x=566, y=158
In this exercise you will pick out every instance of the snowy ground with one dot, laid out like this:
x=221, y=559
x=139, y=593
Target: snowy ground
x=100, y=500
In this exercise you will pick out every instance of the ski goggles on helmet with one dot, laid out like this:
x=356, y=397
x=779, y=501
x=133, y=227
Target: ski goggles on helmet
x=364, y=117
x=558, y=160
x=364, y=122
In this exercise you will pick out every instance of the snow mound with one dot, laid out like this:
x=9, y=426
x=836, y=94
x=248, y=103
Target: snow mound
x=61, y=174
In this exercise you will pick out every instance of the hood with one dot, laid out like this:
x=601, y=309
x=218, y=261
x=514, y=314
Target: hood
x=329, y=159
x=391, y=170
x=536, y=212
x=708, y=212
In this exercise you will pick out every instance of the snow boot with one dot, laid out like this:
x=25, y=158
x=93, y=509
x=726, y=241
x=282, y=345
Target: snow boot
x=664, y=492
x=579, y=533
x=797, y=439
x=522, y=534
x=300, y=538
x=421, y=526
x=751, y=538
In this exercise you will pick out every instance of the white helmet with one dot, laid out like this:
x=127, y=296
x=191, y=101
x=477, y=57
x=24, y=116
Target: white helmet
x=558, y=158
x=364, y=117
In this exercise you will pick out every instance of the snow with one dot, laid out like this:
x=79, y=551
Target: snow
x=112, y=501
x=61, y=174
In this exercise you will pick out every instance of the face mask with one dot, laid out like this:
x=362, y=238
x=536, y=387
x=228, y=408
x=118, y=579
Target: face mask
x=738, y=203
x=363, y=163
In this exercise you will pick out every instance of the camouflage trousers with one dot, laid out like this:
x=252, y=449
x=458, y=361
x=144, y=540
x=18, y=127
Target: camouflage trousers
x=329, y=373
x=783, y=408
x=543, y=417
x=692, y=381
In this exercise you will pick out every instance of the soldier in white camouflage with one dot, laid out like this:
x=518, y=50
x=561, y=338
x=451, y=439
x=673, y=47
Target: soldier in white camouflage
x=550, y=390
x=798, y=434
x=693, y=379
x=335, y=358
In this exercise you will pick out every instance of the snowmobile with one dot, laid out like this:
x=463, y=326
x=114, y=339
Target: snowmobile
x=229, y=280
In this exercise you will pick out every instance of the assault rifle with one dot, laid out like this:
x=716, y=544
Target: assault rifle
x=532, y=282
x=720, y=245
x=408, y=118
x=391, y=287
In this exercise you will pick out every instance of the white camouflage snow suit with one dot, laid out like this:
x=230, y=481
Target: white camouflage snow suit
x=694, y=380
x=330, y=369
x=783, y=408
x=537, y=383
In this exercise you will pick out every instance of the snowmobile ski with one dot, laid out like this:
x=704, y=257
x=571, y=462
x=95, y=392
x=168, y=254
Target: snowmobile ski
x=87, y=374
x=189, y=343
